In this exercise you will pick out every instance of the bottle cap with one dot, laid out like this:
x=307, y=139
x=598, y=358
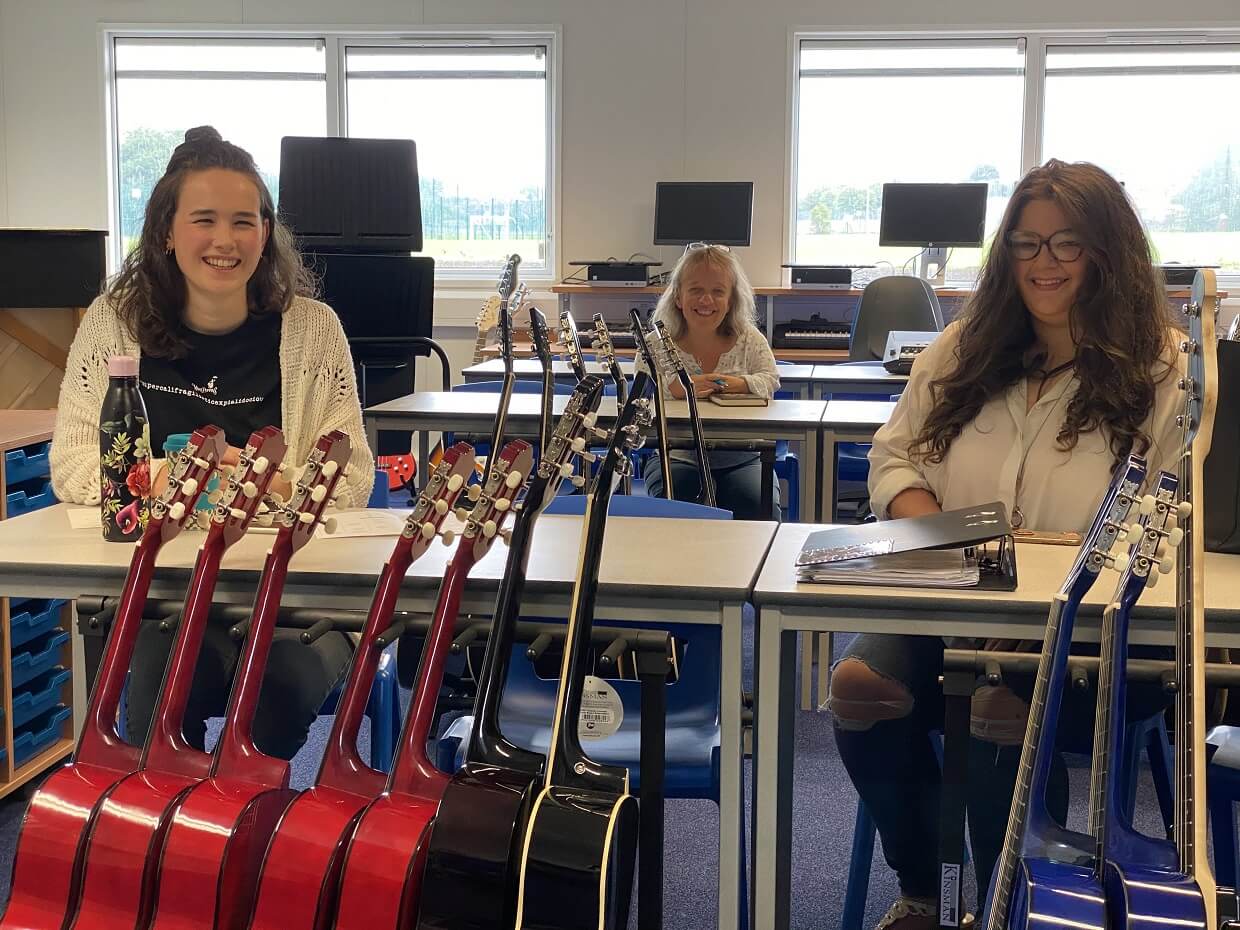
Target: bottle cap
x=122, y=366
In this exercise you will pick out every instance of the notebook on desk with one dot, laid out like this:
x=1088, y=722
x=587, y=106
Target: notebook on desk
x=738, y=400
x=970, y=547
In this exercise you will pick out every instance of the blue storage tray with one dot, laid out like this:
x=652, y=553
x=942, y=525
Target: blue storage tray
x=41, y=733
x=39, y=657
x=40, y=617
x=41, y=696
x=16, y=602
x=35, y=496
x=26, y=463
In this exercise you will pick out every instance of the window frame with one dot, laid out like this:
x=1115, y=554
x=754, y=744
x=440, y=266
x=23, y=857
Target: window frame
x=1034, y=43
x=336, y=41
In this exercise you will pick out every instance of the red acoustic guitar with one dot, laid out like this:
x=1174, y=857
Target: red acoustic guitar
x=122, y=849
x=49, y=850
x=383, y=866
x=301, y=872
x=214, y=846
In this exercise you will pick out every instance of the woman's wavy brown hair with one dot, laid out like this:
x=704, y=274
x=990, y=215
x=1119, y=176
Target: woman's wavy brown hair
x=149, y=291
x=1120, y=321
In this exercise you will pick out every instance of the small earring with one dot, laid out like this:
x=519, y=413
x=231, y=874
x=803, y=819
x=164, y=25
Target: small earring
x=168, y=250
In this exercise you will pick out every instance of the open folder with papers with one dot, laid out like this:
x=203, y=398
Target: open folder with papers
x=971, y=547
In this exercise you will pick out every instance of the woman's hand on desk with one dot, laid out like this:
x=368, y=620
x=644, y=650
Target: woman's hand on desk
x=728, y=384
x=703, y=386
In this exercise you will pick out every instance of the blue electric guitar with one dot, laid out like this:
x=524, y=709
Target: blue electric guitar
x=1152, y=882
x=1028, y=888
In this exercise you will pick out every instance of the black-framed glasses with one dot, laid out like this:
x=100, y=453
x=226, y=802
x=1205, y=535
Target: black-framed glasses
x=1064, y=245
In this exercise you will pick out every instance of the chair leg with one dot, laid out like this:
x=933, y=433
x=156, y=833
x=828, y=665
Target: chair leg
x=826, y=654
x=859, y=864
x=1162, y=768
x=1222, y=829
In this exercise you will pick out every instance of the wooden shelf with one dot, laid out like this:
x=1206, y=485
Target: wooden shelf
x=57, y=752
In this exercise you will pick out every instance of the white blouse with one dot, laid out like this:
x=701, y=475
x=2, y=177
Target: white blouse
x=1058, y=492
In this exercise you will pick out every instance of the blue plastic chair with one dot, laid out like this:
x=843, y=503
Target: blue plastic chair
x=1222, y=793
x=1149, y=735
x=788, y=469
x=692, y=765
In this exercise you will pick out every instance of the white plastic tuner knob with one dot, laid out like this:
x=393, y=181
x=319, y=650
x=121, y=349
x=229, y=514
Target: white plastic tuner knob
x=1122, y=562
x=177, y=511
x=288, y=473
x=1134, y=532
x=1149, y=503
x=514, y=479
x=330, y=524
x=1166, y=565
x=1151, y=579
x=474, y=492
x=330, y=469
x=215, y=497
x=1175, y=537
x=589, y=457
x=455, y=482
x=461, y=514
x=261, y=464
x=441, y=507
x=249, y=489
x=578, y=481
x=588, y=420
x=236, y=513
x=579, y=444
x=566, y=470
x=489, y=528
x=448, y=537
x=190, y=486
x=319, y=492
x=307, y=518
x=427, y=531
x=202, y=463
x=1183, y=510
x=502, y=504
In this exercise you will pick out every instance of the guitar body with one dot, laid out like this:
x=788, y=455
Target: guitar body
x=1142, y=895
x=213, y=852
x=1056, y=894
x=578, y=861
x=471, y=874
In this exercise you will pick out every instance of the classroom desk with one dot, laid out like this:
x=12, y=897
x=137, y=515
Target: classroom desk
x=783, y=606
x=436, y=411
x=42, y=556
x=845, y=421
x=868, y=378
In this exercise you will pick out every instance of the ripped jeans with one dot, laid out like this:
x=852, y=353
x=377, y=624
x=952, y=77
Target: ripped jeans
x=887, y=700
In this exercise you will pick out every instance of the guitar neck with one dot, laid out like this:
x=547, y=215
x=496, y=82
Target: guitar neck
x=166, y=749
x=660, y=434
x=1107, y=723
x=501, y=410
x=100, y=744
x=480, y=342
x=546, y=414
x=342, y=767
x=699, y=443
x=236, y=756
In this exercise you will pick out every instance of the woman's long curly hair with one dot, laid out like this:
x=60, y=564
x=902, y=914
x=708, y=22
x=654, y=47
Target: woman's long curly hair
x=149, y=291
x=742, y=308
x=1120, y=321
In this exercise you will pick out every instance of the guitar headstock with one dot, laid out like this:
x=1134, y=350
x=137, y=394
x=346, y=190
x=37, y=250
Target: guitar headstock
x=1108, y=526
x=312, y=492
x=188, y=472
x=602, y=341
x=569, y=440
x=493, y=500
x=668, y=357
x=628, y=432
x=1200, y=384
x=507, y=286
x=640, y=337
x=488, y=316
x=241, y=491
x=438, y=498
x=540, y=338
x=1151, y=536
x=571, y=342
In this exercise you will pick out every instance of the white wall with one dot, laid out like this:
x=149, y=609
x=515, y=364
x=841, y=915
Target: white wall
x=645, y=96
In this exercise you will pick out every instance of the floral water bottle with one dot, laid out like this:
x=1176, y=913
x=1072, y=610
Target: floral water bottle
x=124, y=453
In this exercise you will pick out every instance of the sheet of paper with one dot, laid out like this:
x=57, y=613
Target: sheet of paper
x=84, y=518
x=365, y=523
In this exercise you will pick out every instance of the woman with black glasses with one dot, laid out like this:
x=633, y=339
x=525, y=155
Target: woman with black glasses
x=1062, y=363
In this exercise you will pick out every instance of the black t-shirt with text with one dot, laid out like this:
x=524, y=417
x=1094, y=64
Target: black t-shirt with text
x=231, y=380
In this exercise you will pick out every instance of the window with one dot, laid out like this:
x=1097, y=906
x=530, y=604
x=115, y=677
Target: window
x=479, y=109
x=483, y=189
x=1161, y=133
x=253, y=91
x=868, y=112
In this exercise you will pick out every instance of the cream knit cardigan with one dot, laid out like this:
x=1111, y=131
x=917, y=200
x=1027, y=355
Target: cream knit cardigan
x=318, y=394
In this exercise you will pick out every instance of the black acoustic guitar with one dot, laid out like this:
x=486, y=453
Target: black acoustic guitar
x=646, y=351
x=542, y=348
x=507, y=286
x=607, y=355
x=470, y=882
x=578, y=853
x=667, y=355
x=572, y=344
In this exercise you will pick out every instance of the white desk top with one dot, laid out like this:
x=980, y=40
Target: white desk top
x=532, y=366
x=1040, y=571
x=857, y=414
x=462, y=406
x=698, y=560
x=873, y=372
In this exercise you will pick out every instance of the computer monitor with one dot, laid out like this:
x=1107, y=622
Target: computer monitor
x=934, y=217
x=703, y=211
x=379, y=296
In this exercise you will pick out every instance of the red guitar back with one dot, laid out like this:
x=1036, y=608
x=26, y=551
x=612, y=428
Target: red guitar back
x=49, y=850
x=383, y=865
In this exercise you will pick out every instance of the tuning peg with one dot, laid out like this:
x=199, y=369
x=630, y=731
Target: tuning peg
x=236, y=513
x=1166, y=565
x=177, y=511
x=215, y=497
x=1132, y=532
x=1183, y=510
x=514, y=479
x=1175, y=537
x=190, y=486
x=578, y=481
x=588, y=457
x=288, y=473
x=427, y=530
x=599, y=433
x=578, y=444
x=306, y=518
x=249, y=489
x=330, y=524
x=330, y=469
x=589, y=419
x=318, y=493
x=1152, y=578
x=502, y=504
x=276, y=499
x=261, y=464
x=461, y=514
x=441, y=506
x=506, y=535
x=1161, y=549
x=474, y=492
x=489, y=528
x=448, y=537
x=454, y=483
x=1148, y=505
x=1121, y=562
x=566, y=470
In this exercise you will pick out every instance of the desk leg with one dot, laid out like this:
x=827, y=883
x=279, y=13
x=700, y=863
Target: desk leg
x=372, y=435
x=830, y=464
x=957, y=693
x=731, y=771
x=810, y=493
x=424, y=458
x=775, y=668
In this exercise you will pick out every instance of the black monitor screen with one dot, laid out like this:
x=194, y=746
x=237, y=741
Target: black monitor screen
x=933, y=214
x=378, y=295
x=702, y=211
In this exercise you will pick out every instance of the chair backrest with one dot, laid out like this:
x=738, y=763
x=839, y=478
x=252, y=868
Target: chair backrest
x=888, y=303
x=519, y=386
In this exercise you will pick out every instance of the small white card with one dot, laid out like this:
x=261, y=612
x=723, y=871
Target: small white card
x=84, y=518
x=364, y=523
